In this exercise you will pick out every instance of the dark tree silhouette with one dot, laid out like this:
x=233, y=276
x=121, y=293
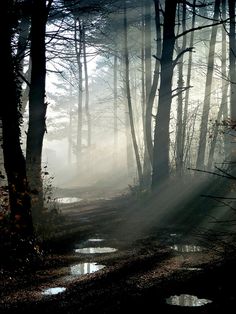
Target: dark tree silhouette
x=37, y=104
x=161, y=168
x=14, y=161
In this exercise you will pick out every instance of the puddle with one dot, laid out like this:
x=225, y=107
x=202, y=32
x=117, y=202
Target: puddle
x=186, y=248
x=68, y=200
x=93, y=250
x=53, y=291
x=102, y=199
x=186, y=300
x=192, y=268
x=95, y=240
x=85, y=268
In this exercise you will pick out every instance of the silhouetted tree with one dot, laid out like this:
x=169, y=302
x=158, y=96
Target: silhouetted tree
x=128, y=95
x=223, y=111
x=232, y=75
x=14, y=161
x=180, y=101
x=188, y=80
x=153, y=90
x=161, y=168
x=208, y=89
x=78, y=42
x=37, y=104
x=148, y=82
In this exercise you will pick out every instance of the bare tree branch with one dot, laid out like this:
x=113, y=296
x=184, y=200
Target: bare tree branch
x=181, y=90
x=189, y=49
x=200, y=27
x=224, y=172
x=200, y=5
x=159, y=59
x=213, y=173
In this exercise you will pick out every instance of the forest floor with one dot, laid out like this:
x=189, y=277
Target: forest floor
x=147, y=264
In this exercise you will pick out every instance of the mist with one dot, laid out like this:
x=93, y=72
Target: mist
x=106, y=85
x=117, y=153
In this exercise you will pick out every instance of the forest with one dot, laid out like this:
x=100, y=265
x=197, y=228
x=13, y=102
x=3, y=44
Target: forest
x=117, y=156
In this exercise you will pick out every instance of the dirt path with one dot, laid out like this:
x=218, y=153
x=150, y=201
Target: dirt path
x=142, y=273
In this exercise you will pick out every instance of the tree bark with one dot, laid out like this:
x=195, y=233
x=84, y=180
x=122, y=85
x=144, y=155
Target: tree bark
x=128, y=95
x=24, y=32
x=180, y=83
x=25, y=92
x=78, y=51
x=37, y=105
x=14, y=161
x=115, y=107
x=143, y=94
x=70, y=129
x=207, y=96
x=224, y=57
x=152, y=93
x=189, y=72
x=148, y=82
x=223, y=106
x=161, y=168
x=232, y=75
x=216, y=127
x=88, y=116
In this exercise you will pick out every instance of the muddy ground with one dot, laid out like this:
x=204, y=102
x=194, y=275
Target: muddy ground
x=149, y=265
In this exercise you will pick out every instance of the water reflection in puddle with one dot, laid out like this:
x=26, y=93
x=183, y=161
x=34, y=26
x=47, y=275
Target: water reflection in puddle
x=93, y=250
x=192, y=268
x=68, y=200
x=85, y=268
x=95, y=240
x=186, y=248
x=187, y=300
x=102, y=199
x=53, y=291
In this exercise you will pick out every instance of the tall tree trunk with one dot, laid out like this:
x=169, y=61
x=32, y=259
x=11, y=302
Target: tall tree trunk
x=179, y=127
x=143, y=95
x=189, y=139
x=128, y=94
x=78, y=51
x=2, y=170
x=223, y=106
x=224, y=66
x=216, y=127
x=14, y=161
x=37, y=105
x=70, y=129
x=161, y=135
x=148, y=82
x=152, y=93
x=24, y=27
x=208, y=88
x=232, y=75
x=88, y=116
x=189, y=72
x=115, y=107
x=25, y=92
x=129, y=145
x=224, y=56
